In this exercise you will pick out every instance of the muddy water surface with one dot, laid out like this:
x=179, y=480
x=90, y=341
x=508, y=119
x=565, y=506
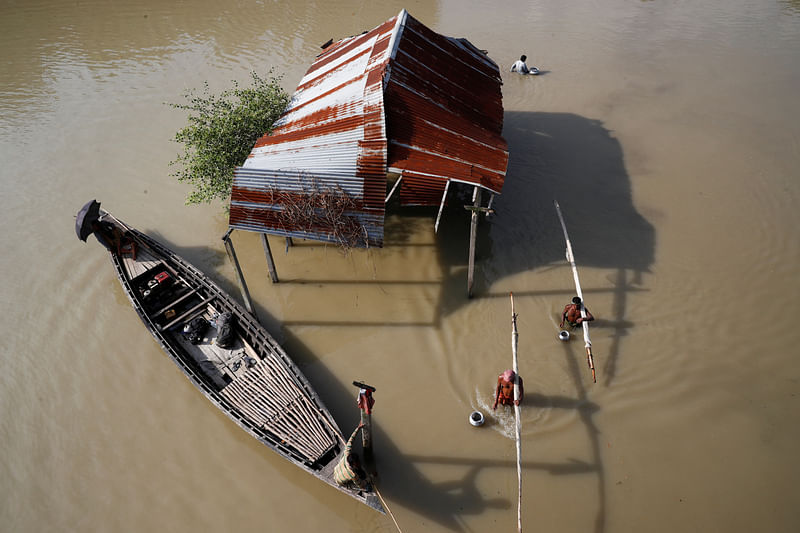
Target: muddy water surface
x=670, y=135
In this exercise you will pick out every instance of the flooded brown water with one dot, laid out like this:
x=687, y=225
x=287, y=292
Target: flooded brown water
x=668, y=131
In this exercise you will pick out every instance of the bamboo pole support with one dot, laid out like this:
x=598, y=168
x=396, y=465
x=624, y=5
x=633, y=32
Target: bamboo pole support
x=571, y=260
x=238, y=269
x=518, y=423
x=273, y=274
x=473, y=230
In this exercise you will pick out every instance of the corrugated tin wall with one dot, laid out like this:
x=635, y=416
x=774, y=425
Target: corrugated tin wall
x=262, y=195
x=332, y=136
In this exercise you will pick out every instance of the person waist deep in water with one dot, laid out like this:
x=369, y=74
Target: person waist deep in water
x=521, y=67
x=504, y=392
x=572, y=314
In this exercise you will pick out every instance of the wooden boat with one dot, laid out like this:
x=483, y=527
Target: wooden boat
x=253, y=380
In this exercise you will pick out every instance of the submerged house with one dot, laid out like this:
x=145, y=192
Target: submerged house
x=398, y=110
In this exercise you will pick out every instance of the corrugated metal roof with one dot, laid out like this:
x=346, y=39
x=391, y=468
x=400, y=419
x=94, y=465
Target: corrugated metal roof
x=400, y=96
x=444, y=113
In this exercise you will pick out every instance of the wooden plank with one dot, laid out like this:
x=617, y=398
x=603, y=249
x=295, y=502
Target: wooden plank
x=187, y=313
x=200, y=353
x=138, y=266
x=176, y=302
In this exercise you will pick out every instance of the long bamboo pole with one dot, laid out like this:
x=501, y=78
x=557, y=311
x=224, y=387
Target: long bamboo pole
x=518, y=423
x=571, y=260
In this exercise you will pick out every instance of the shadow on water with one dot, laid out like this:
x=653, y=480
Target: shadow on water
x=579, y=163
x=406, y=485
x=402, y=480
x=553, y=156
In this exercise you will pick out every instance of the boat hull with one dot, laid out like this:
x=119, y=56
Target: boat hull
x=255, y=383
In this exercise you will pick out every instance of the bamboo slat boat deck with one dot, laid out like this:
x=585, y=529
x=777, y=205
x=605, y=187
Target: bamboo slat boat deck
x=262, y=389
x=267, y=394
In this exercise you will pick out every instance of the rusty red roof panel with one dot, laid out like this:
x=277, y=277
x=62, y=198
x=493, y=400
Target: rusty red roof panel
x=399, y=97
x=444, y=113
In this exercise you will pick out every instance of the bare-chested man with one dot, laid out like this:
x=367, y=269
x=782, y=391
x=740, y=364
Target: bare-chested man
x=504, y=392
x=572, y=314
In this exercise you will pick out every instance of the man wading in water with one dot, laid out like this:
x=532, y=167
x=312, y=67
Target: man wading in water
x=521, y=67
x=572, y=314
x=504, y=393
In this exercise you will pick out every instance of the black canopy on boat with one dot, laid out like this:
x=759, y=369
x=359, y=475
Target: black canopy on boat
x=88, y=214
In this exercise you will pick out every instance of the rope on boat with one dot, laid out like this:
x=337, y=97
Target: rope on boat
x=385, y=506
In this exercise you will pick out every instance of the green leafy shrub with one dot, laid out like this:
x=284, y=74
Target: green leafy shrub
x=221, y=132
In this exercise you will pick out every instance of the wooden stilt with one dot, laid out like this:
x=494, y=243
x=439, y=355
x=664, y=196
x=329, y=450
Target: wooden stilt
x=473, y=230
x=441, y=207
x=242, y=285
x=489, y=209
x=394, y=188
x=273, y=274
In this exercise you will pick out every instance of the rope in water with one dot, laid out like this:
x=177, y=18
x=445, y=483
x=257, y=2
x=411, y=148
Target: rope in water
x=372, y=481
